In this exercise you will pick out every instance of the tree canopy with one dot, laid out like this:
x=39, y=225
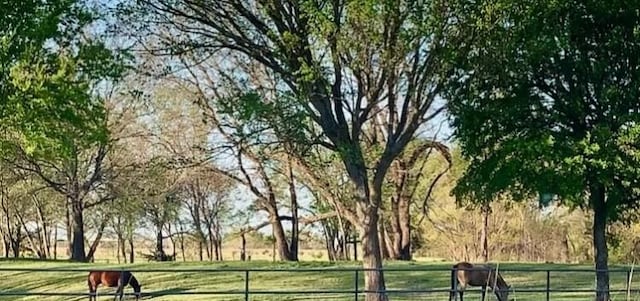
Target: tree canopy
x=549, y=104
x=50, y=63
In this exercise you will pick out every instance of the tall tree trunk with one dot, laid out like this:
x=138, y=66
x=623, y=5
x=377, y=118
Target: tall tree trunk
x=329, y=240
x=96, y=241
x=181, y=238
x=220, y=249
x=404, y=220
x=131, y=250
x=243, y=247
x=566, y=247
x=196, y=210
x=159, y=255
x=118, y=255
x=484, y=240
x=218, y=234
x=344, y=231
x=210, y=244
x=32, y=244
x=385, y=245
x=69, y=225
x=16, y=242
x=55, y=241
x=123, y=249
x=77, y=248
x=43, y=233
x=281, y=244
x=372, y=259
x=293, y=247
x=7, y=245
x=597, y=198
x=395, y=242
x=121, y=242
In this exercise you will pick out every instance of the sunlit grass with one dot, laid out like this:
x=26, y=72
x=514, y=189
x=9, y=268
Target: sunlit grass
x=415, y=276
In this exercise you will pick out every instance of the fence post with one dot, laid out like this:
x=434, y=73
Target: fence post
x=548, y=284
x=355, y=282
x=628, y=284
x=246, y=285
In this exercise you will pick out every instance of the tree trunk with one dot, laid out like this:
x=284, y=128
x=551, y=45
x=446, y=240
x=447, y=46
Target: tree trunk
x=121, y=247
x=159, y=251
x=77, y=248
x=329, y=239
x=96, y=241
x=43, y=234
x=55, y=242
x=374, y=277
x=404, y=218
x=218, y=239
x=385, y=245
x=281, y=244
x=32, y=244
x=219, y=248
x=118, y=255
x=597, y=197
x=69, y=225
x=16, y=242
x=7, y=245
x=210, y=245
x=122, y=250
x=484, y=240
x=243, y=248
x=181, y=238
x=131, y=250
x=293, y=247
x=566, y=246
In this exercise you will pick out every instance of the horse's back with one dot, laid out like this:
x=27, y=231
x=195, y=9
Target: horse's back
x=470, y=274
x=107, y=278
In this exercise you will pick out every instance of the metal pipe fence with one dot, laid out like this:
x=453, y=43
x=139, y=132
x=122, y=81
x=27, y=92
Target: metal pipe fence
x=356, y=290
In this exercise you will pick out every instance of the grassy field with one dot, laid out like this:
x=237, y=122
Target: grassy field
x=415, y=275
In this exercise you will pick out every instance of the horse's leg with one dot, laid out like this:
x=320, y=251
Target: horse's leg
x=118, y=294
x=461, y=295
x=484, y=292
x=92, y=292
x=119, y=290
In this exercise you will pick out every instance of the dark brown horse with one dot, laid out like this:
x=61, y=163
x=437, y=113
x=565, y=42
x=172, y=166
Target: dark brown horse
x=468, y=274
x=118, y=279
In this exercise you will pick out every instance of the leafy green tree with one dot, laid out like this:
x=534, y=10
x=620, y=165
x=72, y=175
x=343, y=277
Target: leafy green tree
x=549, y=105
x=345, y=65
x=51, y=65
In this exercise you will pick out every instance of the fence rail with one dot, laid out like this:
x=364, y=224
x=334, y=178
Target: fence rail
x=356, y=291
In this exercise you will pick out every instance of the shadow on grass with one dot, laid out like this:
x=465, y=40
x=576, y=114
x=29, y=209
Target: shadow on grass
x=32, y=260
x=164, y=292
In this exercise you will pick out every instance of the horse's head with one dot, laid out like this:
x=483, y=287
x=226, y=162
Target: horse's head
x=503, y=294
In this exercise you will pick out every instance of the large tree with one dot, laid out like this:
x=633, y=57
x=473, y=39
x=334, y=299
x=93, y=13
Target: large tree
x=549, y=105
x=344, y=64
x=50, y=61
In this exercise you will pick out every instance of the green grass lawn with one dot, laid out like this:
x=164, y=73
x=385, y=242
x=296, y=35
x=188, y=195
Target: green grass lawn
x=415, y=275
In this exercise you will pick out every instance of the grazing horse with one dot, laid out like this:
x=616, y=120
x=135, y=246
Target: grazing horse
x=468, y=274
x=112, y=279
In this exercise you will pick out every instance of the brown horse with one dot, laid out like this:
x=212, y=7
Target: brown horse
x=112, y=279
x=468, y=274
